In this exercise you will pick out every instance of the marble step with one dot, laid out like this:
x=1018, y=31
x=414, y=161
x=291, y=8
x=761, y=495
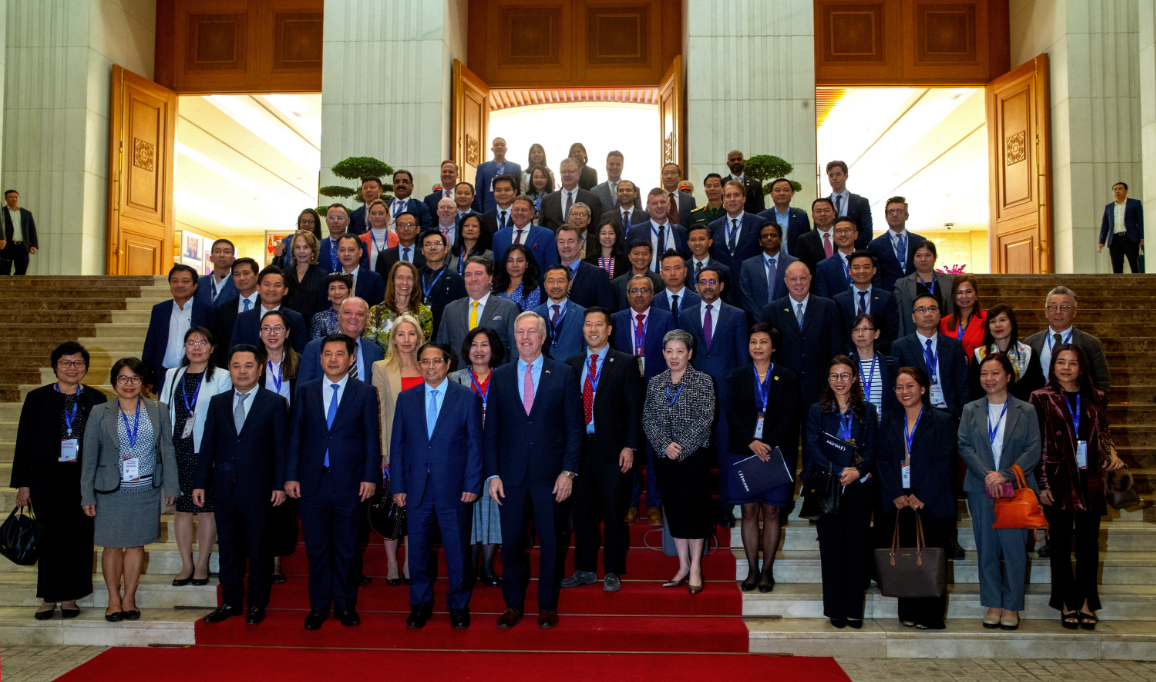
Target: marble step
x=156, y=627
x=58, y=305
x=154, y=592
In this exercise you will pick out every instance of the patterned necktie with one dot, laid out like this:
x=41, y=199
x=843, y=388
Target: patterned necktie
x=353, y=367
x=862, y=302
x=639, y=333
x=734, y=233
x=901, y=252
x=799, y=314
x=554, y=320
x=929, y=358
x=708, y=325
x=528, y=390
x=697, y=271
x=247, y=303
x=431, y=413
x=588, y=390
x=330, y=414
x=405, y=254
x=239, y=411
x=772, y=271
x=474, y=315
x=569, y=203
x=827, y=244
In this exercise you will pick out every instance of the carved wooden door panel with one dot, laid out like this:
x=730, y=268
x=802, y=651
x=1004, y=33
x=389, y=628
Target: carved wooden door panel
x=670, y=114
x=471, y=120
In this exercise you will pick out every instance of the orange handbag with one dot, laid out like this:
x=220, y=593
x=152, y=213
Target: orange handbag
x=1021, y=510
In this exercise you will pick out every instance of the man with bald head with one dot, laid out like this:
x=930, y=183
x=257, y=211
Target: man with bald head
x=755, y=202
x=447, y=220
x=484, y=178
x=556, y=205
x=352, y=317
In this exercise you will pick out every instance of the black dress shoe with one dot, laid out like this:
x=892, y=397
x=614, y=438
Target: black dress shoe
x=255, y=615
x=364, y=579
x=278, y=578
x=114, y=617
x=69, y=613
x=315, y=619
x=509, y=618
x=547, y=619
x=419, y=614
x=766, y=583
x=199, y=582
x=223, y=612
x=46, y=615
x=181, y=582
x=956, y=551
x=350, y=618
x=459, y=618
x=393, y=582
x=1045, y=551
x=131, y=615
x=490, y=580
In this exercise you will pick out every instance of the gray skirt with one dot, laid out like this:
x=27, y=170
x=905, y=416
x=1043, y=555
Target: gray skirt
x=128, y=520
x=487, y=528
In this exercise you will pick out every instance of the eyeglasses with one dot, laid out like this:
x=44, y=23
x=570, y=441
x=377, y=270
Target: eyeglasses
x=844, y=231
x=1065, y=307
x=431, y=362
x=863, y=330
x=842, y=376
x=636, y=290
x=924, y=311
x=273, y=330
x=708, y=282
x=129, y=380
x=195, y=344
x=66, y=364
x=896, y=211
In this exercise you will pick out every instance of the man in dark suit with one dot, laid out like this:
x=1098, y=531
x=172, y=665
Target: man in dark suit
x=435, y=450
x=541, y=241
x=217, y=287
x=439, y=284
x=626, y=210
x=833, y=274
x=864, y=297
x=371, y=191
x=735, y=235
x=271, y=287
x=675, y=296
x=700, y=243
x=762, y=279
x=240, y=458
x=612, y=396
x=408, y=247
x=478, y=309
x=939, y=355
x=556, y=205
x=680, y=204
x=818, y=244
x=662, y=233
x=563, y=317
x=589, y=285
x=487, y=174
x=1060, y=308
x=449, y=181
x=367, y=284
x=18, y=240
x=333, y=464
x=792, y=221
x=246, y=298
x=533, y=449
x=607, y=192
x=505, y=188
x=755, y=203
x=337, y=221
x=164, y=344
x=895, y=249
x=403, y=202
x=352, y=317
x=853, y=206
x=1122, y=229
x=639, y=253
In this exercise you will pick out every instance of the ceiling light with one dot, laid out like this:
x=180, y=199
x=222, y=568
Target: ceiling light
x=202, y=207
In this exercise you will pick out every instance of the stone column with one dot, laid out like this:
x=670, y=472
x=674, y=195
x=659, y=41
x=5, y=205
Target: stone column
x=750, y=75
x=385, y=85
x=1146, y=186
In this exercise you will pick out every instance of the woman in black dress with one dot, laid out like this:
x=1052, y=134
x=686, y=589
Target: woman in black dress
x=46, y=474
x=279, y=365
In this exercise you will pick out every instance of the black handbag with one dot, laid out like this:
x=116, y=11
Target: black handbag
x=20, y=537
x=385, y=517
x=822, y=493
x=1120, y=492
x=907, y=572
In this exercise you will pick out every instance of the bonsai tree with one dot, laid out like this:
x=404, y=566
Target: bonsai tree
x=764, y=167
x=354, y=168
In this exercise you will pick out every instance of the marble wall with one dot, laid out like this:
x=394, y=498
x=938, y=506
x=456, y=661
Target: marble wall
x=1146, y=186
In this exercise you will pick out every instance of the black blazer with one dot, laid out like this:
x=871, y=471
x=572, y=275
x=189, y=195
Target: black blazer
x=354, y=441
x=932, y=460
x=908, y=352
x=307, y=296
x=386, y=259
x=591, y=287
x=781, y=419
x=27, y=226
x=38, y=433
x=249, y=462
x=1022, y=388
x=756, y=202
x=637, y=217
x=809, y=249
x=806, y=351
x=552, y=214
x=617, y=403
x=888, y=370
x=449, y=287
x=864, y=431
x=881, y=304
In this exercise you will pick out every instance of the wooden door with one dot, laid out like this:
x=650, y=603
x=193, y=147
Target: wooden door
x=670, y=116
x=471, y=121
x=1019, y=157
x=140, y=175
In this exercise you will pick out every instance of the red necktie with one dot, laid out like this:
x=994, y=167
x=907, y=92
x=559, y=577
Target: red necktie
x=588, y=390
x=827, y=244
x=638, y=332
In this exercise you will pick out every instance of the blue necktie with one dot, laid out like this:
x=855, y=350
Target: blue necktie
x=929, y=358
x=772, y=271
x=247, y=302
x=901, y=253
x=863, y=303
x=405, y=254
x=838, y=204
x=431, y=413
x=330, y=414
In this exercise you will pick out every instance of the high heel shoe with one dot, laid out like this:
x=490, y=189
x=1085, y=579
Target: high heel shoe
x=695, y=589
x=1087, y=620
x=839, y=622
x=181, y=582
x=751, y=582
x=677, y=583
x=45, y=615
x=855, y=624
x=1067, y=622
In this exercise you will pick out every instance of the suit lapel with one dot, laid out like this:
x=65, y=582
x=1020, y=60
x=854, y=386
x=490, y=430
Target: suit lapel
x=544, y=380
x=1013, y=415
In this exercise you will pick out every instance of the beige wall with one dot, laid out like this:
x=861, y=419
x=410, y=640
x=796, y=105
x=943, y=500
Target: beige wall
x=960, y=247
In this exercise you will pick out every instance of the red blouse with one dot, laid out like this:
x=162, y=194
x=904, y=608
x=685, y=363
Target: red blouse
x=972, y=336
x=409, y=382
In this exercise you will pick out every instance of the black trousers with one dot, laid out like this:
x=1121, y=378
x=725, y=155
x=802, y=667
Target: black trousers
x=601, y=496
x=843, y=543
x=243, y=531
x=330, y=519
x=283, y=531
x=1120, y=248
x=64, y=571
x=1069, y=591
x=523, y=502
x=926, y=611
x=15, y=253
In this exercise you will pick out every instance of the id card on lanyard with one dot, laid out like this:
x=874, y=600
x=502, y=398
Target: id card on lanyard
x=130, y=466
x=762, y=393
x=640, y=345
x=484, y=393
x=69, y=447
x=908, y=436
x=1081, y=445
x=191, y=407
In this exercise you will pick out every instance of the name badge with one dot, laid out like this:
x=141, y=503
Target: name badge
x=188, y=430
x=68, y=449
x=907, y=476
x=130, y=470
x=759, y=428
x=1082, y=454
x=937, y=396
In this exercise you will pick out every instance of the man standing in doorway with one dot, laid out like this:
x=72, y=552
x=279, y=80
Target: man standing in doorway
x=488, y=172
x=681, y=204
x=853, y=206
x=1122, y=230
x=755, y=203
x=556, y=205
x=18, y=241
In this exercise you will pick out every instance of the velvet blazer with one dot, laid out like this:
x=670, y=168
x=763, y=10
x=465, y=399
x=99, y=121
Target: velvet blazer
x=1058, y=471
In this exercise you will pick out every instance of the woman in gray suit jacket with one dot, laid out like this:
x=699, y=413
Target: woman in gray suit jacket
x=129, y=464
x=1012, y=432
x=924, y=280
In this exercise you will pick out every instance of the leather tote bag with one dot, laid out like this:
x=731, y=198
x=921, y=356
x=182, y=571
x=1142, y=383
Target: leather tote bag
x=821, y=495
x=1021, y=510
x=385, y=517
x=911, y=572
x=20, y=538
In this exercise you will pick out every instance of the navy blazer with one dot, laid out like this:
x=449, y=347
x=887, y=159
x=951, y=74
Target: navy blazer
x=353, y=442
x=431, y=202
x=798, y=224
x=483, y=192
x=888, y=369
x=325, y=257
x=884, y=253
x=157, y=337
x=747, y=245
x=908, y=352
x=540, y=240
x=832, y=279
x=27, y=226
x=728, y=349
x=933, y=447
x=415, y=206
x=204, y=292
x=591, y=287
x=253, y=459
x=730, y=284
x=859, y=210
x=452, y=458
x=568, y=339
x=781, y=424
x=1133, y=222
x=864, y=431
x=686, y=300
x=536, y=448
x=370, y=286
x=658, y=323
x=637, y=217
x=753, y=283
x=643, y=232
x=247, y=329
x=881, y=304
x=806, y=351
x=310, y=363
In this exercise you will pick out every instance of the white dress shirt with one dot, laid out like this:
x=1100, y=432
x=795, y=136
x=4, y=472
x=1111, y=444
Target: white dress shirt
x=272, y=373
x=17, y=228
x=843, y=203
x=855, y=296
x=727, y=227
x=667, y=241
x=681, y=293
x=265, y=310
x=180, y=320
x=830, y=234
x=216, y=285
x=503, y=216
x=1046, y=350
x=795, y=304
x=327, y=391
x=715, y=305
x=570, y=195
x=1117, y=213
x=993, y=413
x=634, y=329
x=935, y=378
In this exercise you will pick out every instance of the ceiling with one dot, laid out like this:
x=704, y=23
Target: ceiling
x=246, y=163
x=928, y=145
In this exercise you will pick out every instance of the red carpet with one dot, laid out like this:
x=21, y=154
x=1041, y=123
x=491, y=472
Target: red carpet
x=221, y=664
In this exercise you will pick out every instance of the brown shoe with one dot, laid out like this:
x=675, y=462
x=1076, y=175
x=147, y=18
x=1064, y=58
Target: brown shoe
x=632, y=516
x=547, y=619
x=509, y=619
x=655, y=517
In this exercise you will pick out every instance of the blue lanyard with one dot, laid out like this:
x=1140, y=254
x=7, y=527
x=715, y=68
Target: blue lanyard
x=424, y=289
x=554, y=326
x=640, y=337
x=333, y=254
x=930, y=287
x=278, y=378
x=384, y=241
x=763, y=389
x=597, y=374
x=1075, y=413
x=846, y=268
x=478, y=387
x=133, y=432
x=991, y=431
x=910, y=435
x=735, y=227
x=961, y=328
x=845, y=424
x=69, y=416
x=867, y=378
x=670, y=401
x=1066, y=341
x=185, y=395
x=213, y=283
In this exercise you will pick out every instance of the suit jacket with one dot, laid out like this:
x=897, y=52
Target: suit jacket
x=425, y=219
x=1021, y=443
x=644, y=232
x=753, y=283
x=908, y=352
x=248, y=328
x=491, y=224
x=567, y=340
x=204, y=292
x=536, y=448
x=541, y=242
x=658, y=323
x=889, y=268
x=610, y=200
x=370, y=286
x=686, y=204
x=358, y=224
x=498, y=314
x=888, y=371
x=756, y=202
x=388, y=258
x=451, y=458
x=169, y=396
x=747, y=245
x=591, y=287
x=1101, y=377
x=38, y=431
x=587, y=178
x=798, y=224
x=614, y=214
x=442, y=289
x=226, y=319
x=353, y=442
x=833, y=279
x=27, y=226
x=859, y=210
x=100, y=466
x=880, y=304
x=806, y=351
x=810, y=251
x=325, y=256
x=1058, y=471
x=932, y=448
x=251, y=460
x=618, y=403
x=730, y=283
x=621, y=284
x=1133, y=222
x=864, y=431
x=908, y=287
x=309, y=367
x=728, y=347
x=483, y=191
x=552, y=215
x=688, y=299
x=781, y=418
x=157, y=337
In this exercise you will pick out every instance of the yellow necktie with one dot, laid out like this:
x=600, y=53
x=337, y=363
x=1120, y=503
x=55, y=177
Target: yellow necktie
x=474, y=315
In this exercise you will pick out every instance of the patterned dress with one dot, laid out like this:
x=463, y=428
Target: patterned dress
x=323, y=324
x=186, y=456
x=525, y=301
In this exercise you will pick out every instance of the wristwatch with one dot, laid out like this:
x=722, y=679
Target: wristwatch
x=571, y=474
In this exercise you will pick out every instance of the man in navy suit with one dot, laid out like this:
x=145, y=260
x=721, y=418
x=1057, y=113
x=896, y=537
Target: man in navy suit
x=662, y=233
x=240, y=458
x=487, y=172
x=818, y=244
x=1122, y=229
x=539, y=240
x=449, y=181
x=735, y=235
x=589, y=285
x=753, y=199
x=895, y=249
x=563, y=316
x=679, y=204
x=436, y=457
x=505, y=188
x=792, y=221
x=533, y=449
x=834, y=273
x=853, y=206
x=333, y=464
x=352, y=317
x=217, y=287
x=940, y=356
x=367, y=284
x=864, y=297
x=371, y=191
x=675, y=295
x=626, y=210
x=271, y=288
x=700, y=243
x=762, y=279
x=556, y=206
x=403, y=201
x=164, y=344
x=408, y=247
x=337, y=221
